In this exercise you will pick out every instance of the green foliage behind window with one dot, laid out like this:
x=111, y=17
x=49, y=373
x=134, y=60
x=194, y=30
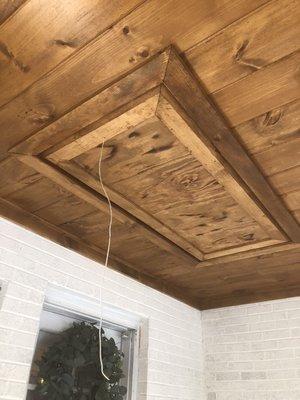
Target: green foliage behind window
x=70, y=368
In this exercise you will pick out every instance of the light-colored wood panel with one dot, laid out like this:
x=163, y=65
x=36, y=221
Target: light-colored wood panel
x=272, y=128
x=151, y=169
x=253, y=246
x=264, y=36
x=264, y=90
x=60, y=28
x=46, y=99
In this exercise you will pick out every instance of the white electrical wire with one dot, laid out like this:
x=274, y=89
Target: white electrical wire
x=107, y=256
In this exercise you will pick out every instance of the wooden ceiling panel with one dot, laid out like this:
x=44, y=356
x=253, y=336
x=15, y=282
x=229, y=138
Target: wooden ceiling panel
x=152, y=169
x=37, y=195
x=45, y=100
x=247, y=45
x=67, y=27
x=8, y=7
x=266, y=89
x=15, y=176
x=64, y=210
x=204, y=188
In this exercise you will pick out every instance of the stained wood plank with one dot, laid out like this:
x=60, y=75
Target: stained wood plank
x=153, y=170
x=65, y=210
x=146, y=257
x=91, y=113
x=286, y=181
x=183, y=87
x=206, y=154
x=264, y=90
x=72, y=242
x=274, y=127
x=66, y=27
x=236, y=260
x=8, y=7
x=46, y=99
x=14, y=175
x=128, y=120
x=132, y=208
x=39, y=194
x=99, y=202
x=249, y=44
x=287, y=156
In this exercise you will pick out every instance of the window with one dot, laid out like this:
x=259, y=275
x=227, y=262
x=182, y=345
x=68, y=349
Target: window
x=56, y=318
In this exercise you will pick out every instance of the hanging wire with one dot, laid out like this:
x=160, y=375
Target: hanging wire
x=107, y=256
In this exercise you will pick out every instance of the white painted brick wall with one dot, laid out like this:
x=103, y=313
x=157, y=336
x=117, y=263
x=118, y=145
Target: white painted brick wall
x=252, y=352
x=30, y=263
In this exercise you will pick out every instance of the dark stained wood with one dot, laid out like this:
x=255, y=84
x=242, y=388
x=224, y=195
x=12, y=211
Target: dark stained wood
x=46, y=99
x=91, y=113
x=249, y=44
x=175, y=118
x=8, y=7
x=266, y=89
x=194, y=215
x=86, y=178
x=68, y=183
x=60, y=29
x=211, y=124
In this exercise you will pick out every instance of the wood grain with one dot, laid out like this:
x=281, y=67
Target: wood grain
x=207, y=155
x=72, y=242
x=8, y=7
x=183, y=87
x=99, y=202
x=82, y=175
x=266, y=89
x=127, y=121
x=89, y=114
x=271, y=128
x=248, y=45
x=46, y=100
x=67, y=26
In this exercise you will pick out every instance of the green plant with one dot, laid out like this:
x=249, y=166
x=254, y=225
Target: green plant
x=70, y=368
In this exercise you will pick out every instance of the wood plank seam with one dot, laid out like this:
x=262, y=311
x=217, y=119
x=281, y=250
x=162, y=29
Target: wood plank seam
x=184, y=86
x=79, y=173
x=71, y=184
x=213, y=162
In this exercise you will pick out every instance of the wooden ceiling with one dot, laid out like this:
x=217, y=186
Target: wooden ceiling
x=198, y=105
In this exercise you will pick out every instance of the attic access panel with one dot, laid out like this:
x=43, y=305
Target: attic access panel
x=171, y=163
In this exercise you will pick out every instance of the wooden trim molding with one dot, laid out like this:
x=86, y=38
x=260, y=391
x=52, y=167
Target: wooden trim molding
x=164, y=90
x=98, y=201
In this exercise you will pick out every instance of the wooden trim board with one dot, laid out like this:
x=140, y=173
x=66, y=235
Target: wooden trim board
x=71, y=184
x=166, y=91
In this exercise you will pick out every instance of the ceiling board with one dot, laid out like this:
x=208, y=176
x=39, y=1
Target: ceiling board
x=197, y=215
x=45, y=101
